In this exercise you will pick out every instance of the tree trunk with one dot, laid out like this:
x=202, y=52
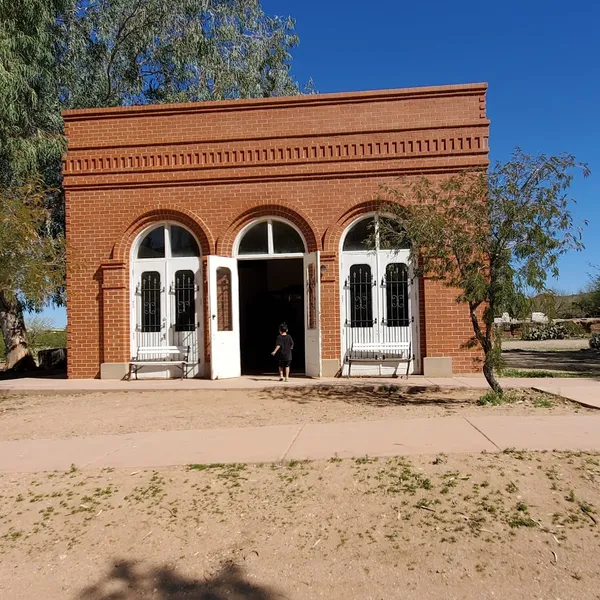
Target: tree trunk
x=488, y=372
x=18, y=354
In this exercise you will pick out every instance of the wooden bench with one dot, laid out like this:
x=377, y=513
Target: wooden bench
x=160, y=355
x=380, y=352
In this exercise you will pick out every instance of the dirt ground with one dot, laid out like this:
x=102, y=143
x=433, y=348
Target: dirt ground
x=584, y=361
x=63, y=416
x=512, y=525
x=568, y=356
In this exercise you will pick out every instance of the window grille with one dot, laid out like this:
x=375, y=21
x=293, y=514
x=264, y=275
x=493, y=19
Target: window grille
x=359, y=287
x=185, y=301
x=224, y=308
x=312, y=296
x=150, y=300
x=395, y=283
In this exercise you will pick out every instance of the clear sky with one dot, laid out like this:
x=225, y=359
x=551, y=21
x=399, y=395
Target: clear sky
x=541, y=60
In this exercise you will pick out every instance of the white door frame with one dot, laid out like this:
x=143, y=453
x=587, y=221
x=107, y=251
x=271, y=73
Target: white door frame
x=225, y=355
x=378, y=261
x=167, y=267
x=312, y=335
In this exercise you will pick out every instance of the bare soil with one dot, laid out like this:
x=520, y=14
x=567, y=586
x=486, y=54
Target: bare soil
x=513, y=525
x=63, y=416
x=583, y=361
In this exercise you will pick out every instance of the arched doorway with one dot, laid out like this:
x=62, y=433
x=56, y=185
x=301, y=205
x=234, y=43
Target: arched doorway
x=379, y=302
x=166, y=297
x=271, y=255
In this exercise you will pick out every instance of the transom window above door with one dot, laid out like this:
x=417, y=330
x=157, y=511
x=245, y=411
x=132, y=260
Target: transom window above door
x=168, y=241
x=362, y=233
x=270, y=237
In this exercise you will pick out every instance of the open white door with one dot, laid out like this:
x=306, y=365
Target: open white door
x=312, y=313
x=224, y=311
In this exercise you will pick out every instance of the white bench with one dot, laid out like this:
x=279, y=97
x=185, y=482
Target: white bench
x=160, y=355
x=380, y=352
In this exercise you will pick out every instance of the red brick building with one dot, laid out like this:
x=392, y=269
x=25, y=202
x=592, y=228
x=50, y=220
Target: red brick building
x=206, y=224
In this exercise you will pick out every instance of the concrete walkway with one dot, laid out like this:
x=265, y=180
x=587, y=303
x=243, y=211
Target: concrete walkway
x=584, y=391
x=309, y=441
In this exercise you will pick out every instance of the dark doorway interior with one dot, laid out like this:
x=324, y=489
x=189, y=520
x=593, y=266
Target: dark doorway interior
x=271, y=291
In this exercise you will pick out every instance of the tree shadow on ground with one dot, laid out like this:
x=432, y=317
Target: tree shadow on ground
x=376, y=395
x=128, y=580
x=7, y=374
x=570, y=361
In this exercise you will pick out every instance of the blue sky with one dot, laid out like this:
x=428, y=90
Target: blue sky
x=540, y=59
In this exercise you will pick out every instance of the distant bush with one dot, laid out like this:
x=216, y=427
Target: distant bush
x=595, y=341
x=573, y=329
x=545, y=331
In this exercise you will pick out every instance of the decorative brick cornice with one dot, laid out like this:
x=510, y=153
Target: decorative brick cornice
x=423, y=144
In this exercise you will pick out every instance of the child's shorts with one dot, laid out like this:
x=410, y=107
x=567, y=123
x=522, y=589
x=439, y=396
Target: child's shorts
x=284, y=364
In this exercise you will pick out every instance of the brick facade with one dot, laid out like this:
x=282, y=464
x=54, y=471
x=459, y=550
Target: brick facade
x=318, y=161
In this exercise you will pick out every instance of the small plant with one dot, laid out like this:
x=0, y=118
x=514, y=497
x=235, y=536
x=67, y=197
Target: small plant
x=570, y=497
x=492, y=398
x=511, y=488
x=542, y=403
x=521, y=520
x=595, y=341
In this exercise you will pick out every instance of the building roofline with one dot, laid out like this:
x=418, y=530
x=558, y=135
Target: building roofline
x=274, y=102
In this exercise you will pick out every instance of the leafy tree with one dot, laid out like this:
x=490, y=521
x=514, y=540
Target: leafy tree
x=57, y=54
x=31, y=144
x=155, y=51
x=590, y=302
x=489, y=236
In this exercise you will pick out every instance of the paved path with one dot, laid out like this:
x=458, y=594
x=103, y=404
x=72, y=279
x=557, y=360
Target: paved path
x=309, y=441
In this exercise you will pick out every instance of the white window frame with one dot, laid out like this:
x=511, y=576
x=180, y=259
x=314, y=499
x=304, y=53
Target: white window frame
x=170, y=265
x=271, y=251
x=375, y=257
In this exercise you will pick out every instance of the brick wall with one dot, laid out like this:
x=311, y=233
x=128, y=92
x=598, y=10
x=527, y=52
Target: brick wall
x=317, y=161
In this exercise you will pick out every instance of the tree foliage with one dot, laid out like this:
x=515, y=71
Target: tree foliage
x=491, y=236
x=57, y=54
x=155, y=51
x=590, y=301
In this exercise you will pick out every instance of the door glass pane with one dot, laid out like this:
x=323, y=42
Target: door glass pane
x=183, y=243
x=153, y=245
x=224, y=307
x=311, y=275
x=255, y=240
x=185, y=301
x=392, y=235
x=396, y=295
x=286, y=239
x=150, y=298
x=356, y=238
x=361, y=296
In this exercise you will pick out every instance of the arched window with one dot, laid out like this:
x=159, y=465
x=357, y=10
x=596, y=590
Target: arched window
x=166, y=295
x=168, y=241
x=385, y=232
x=270, y=238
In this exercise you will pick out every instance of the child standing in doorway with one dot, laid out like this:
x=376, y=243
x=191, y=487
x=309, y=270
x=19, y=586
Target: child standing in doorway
x=284, y=344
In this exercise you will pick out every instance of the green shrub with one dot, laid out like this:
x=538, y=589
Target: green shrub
x=595, y=341
x=545, y=331
x=573, y=329
x=492, y=398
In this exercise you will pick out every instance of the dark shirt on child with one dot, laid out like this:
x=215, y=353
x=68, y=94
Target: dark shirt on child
x=286, y=344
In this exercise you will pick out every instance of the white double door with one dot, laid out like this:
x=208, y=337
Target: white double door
x=224, y=316
x=378, y=303
x=167, y=311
